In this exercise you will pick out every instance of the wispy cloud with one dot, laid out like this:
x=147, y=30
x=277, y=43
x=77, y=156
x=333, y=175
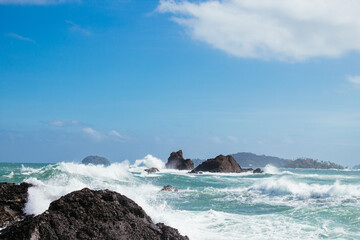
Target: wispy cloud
x=35, y=2
x=76, y=28
x=271, y=29
x=233, y=139
x=57, y=123
x=354, y=80
x=115, y=133
x=93, y=133
x=19, y=37
x=61, y=123
x=216, y=140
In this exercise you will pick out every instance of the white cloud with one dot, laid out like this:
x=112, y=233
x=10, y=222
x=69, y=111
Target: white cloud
x=355, y=80
x=76, y=28
x=233, y=139
x=35, y=2
x=19, y=37
x=57, y=123
x=216, y=140
x=288, y=140
x=92, y=133
x=75, y=122
x=293, y=30
x=157, y=139
x=115, y=133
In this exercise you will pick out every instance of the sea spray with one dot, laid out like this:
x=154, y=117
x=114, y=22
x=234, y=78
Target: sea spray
x=279, y=204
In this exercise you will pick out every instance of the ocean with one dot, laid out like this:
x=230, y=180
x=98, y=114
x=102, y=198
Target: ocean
x=278, y=204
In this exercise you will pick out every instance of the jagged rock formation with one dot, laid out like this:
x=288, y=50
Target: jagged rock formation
x=12, y=201
x=177, y=161
x=96, y=160
x=219, y=164
x=258, y=170
x=88, y=214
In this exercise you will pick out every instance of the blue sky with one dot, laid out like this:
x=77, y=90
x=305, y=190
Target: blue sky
x=128, y=78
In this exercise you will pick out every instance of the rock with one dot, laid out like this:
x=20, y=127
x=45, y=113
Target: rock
x=311, y=163
x=221, y=163
x=258, y=170
x=195, y=172
x=88, y=214
x=96, y=160
x=169, y=188
x=12, y=201
x=177, y=161
x=151, y=170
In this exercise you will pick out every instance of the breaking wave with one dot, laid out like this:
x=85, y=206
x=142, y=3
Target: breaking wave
x=273, y=205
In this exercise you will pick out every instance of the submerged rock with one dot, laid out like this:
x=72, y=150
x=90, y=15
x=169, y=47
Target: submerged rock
x=12, y=201
x=88, y=214
x=96, y=160
x=177, y=161
x=169, y=188
x=258, y=170
x=151, y=170
x=221, y=163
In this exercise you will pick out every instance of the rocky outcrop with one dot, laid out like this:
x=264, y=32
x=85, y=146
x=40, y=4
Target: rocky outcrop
x=311, y=163
x=356, y=167
x=88, y=214
x=221, y=163
x=96, y=160
x=177, y=161
x=258, y=170
x=169, y=188
x=151, y=170
x=12, y=201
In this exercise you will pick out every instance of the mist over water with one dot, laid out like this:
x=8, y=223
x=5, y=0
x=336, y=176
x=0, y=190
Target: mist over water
x=278, y=204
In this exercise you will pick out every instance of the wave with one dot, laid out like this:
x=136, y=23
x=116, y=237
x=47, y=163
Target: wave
x=301, y=190
x=149, y=161
x=10, y=175
x=209, y=221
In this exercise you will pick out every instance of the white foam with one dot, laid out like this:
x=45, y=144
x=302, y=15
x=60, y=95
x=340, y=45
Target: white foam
x=149, y=161
x=208, y=224
x=43, y=193
x=301, y=190
x=270, y=169
x=10, y=175
x=115, y=171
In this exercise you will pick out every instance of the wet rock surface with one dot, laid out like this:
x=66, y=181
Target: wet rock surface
x=169, y=188
x=151, y=170
x=258, y=170
x=12, y=202
x=221, y=163
x=177, y=161
x=88, y=214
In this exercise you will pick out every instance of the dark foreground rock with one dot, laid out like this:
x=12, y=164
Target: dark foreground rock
x=169, y=188
x=96, y=160
x=88, y=214
x=177, y=161
x=12, y=201
x=221, y=163
x=151, y=170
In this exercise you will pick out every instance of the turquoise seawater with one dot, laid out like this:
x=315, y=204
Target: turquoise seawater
x=278, y=204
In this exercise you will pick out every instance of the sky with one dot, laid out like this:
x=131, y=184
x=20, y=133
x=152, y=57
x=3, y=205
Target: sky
x=127, y=78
